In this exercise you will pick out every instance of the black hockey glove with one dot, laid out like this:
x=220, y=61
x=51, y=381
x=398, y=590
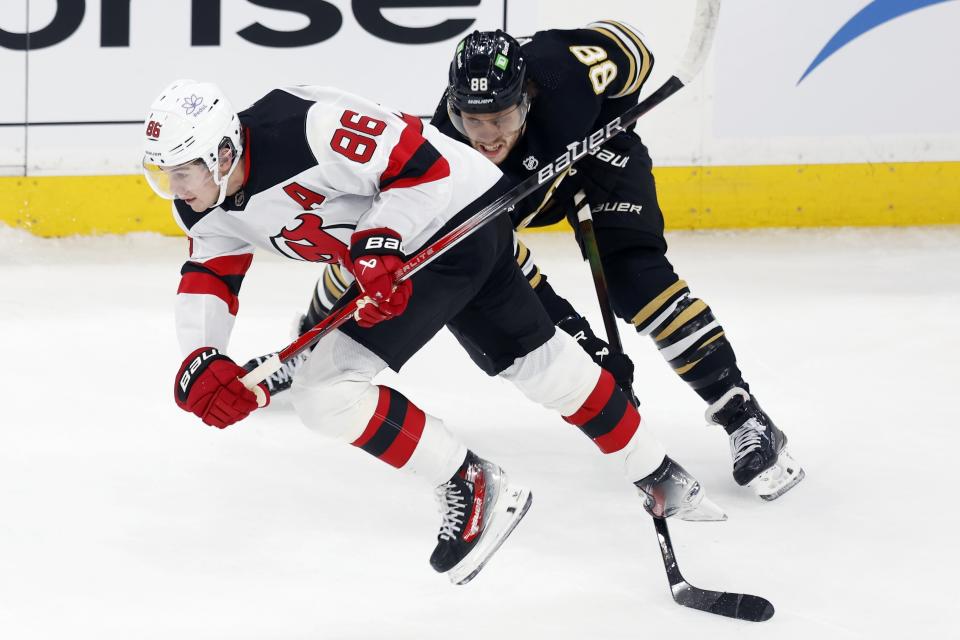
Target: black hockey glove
x=618, y=364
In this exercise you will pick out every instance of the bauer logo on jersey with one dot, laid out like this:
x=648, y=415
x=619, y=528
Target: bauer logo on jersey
x=530, y=163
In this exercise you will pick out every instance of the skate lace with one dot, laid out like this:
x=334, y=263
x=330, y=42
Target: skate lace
x=286, y=370
x=453, y=506
x=282, y=374
x=746, y=439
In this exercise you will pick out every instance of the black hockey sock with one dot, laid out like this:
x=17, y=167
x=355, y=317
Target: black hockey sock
x=692, y=341
x=329, y=288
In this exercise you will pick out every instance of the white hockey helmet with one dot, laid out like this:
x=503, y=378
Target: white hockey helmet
x=188, y=127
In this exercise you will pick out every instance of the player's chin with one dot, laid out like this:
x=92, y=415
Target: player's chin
x=495, y=153
x=196, y=204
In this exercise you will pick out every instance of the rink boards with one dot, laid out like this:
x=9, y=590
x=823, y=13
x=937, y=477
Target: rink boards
x=894, y=194
x=808, y=113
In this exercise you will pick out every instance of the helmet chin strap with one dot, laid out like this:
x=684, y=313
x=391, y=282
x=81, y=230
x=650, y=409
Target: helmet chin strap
x=225, y=180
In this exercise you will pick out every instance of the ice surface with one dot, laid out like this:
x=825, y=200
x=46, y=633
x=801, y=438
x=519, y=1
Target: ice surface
x=122, y=517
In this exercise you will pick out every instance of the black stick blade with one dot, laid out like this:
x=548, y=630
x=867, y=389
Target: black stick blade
x=741, y=606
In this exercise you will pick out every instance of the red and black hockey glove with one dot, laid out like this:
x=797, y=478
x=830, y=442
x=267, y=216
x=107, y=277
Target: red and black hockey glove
x=208, y=385
x=376, y=254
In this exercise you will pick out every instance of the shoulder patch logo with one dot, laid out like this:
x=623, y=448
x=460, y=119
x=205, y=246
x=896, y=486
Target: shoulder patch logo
x=530, y=163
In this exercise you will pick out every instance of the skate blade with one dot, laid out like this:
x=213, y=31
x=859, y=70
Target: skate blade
x=510, y=509
x=784, y=475
x=706, y=511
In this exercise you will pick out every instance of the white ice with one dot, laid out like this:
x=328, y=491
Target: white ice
x=122, y=517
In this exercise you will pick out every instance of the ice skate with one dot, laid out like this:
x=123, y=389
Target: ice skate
x=281, y=379
x=759, y=449
x=480, y=508
x=671, y=491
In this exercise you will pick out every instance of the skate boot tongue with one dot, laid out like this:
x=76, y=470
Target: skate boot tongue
x=671, y=491
x=758, y=448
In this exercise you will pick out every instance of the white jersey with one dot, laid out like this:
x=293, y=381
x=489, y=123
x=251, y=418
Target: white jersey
x=321, y=164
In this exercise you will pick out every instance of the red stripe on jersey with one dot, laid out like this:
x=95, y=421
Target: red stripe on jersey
x=407, y=440
x=245, y=156
x=595, y=402
x=205, y=284
x=379, y=414
x=411, y=141
x=620, y=435
x=229, y=265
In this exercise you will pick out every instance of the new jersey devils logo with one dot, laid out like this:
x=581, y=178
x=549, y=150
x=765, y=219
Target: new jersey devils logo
x=306, y=239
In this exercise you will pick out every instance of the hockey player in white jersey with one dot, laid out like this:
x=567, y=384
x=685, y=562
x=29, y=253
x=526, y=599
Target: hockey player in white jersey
x=317, y=175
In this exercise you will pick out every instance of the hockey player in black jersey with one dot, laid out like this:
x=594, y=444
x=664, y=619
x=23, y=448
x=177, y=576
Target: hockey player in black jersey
x=520, y=103
x=317, y=175
x=520, y=111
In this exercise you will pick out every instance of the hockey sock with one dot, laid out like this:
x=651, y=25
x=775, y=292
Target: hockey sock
x=525, y=260
x=402, y=435
x=330, y=287
x=691, y=340
x=606, y=416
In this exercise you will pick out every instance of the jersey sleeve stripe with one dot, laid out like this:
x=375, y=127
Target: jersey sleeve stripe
x=220, y=277
x=229, y=265
x=633, y=48
x=646, y=58
x=204, y=283
x=414, y=160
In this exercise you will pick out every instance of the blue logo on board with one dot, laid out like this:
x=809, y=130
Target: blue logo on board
x=870, y=17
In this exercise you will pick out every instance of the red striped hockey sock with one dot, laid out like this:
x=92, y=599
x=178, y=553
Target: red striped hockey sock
x=607, y=417
x=394, y=430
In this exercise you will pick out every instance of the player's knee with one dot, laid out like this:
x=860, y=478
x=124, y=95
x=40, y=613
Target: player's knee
x=332, y=392
x=558, y=374
x=338, y=409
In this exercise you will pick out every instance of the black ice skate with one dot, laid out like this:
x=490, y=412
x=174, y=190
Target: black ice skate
x=671, y=491
x=281, y=379
x=758, y=447
x=480, y=509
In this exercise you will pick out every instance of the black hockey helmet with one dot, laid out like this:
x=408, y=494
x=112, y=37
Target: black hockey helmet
x=487, y=74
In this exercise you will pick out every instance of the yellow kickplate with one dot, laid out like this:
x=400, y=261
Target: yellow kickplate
x=891, y=194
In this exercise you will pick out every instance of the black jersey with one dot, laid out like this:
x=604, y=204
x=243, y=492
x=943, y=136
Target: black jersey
x=582, y=78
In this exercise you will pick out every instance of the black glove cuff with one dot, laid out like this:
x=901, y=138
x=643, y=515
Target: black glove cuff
x=379, y=242
x=192, y=368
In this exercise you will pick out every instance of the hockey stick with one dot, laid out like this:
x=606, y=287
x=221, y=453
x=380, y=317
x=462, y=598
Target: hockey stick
x=592, y=251
x=742, y=606
x=707, y=12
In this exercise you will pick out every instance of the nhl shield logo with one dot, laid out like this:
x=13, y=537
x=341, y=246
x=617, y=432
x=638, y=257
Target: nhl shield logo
x=530, y=163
